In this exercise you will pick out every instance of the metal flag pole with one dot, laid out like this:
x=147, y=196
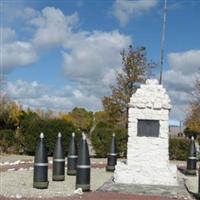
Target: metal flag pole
x=162, y=41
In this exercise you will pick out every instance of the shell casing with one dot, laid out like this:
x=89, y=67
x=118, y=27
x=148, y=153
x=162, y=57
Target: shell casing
x=83, y=178
x=111, y=162
x=59, y=170
x=71, y=165
x=40, y=180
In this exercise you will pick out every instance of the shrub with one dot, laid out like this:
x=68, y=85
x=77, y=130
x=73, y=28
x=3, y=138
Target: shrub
x=101, y=138
x=7, y=139
x=189, y=133
x=32, y=126
x=178, y=148
x=51, y=129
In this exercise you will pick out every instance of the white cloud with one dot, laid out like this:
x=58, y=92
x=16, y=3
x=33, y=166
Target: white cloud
x=36, y=96
x=87, y=56
x=24, y=90
x=16, y=54
x=186, y=62
x=91, y=58
x=125, y=10
x=180, y=80
x=53, y=27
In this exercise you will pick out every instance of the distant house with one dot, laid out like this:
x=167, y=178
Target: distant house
x=175, y=131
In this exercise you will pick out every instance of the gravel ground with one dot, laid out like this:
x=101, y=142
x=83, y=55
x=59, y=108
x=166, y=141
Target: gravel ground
x=26, y=165
x=16, y=174
x=12, y=158
x=20, y=183
x=192, y=184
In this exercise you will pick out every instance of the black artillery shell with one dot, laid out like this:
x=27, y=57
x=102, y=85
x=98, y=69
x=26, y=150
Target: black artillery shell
x=192, y=159
x=72, y=156
x=112, y=155
x=40, y=174
x=83, y=166
x=59, y=160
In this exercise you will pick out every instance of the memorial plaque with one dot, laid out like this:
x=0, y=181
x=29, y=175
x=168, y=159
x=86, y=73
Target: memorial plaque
x=148, y=128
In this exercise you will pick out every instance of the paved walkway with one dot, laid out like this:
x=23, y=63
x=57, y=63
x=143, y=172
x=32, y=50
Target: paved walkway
x=177, y=192
x=102, y=196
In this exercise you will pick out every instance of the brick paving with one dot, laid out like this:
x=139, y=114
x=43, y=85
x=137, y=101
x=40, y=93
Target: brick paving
x=101, y=196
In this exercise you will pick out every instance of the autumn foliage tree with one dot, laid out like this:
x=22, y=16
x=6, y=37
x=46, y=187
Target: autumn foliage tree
x=9, y=115
x=135, y=69
x=193, y=118
x=80, y=118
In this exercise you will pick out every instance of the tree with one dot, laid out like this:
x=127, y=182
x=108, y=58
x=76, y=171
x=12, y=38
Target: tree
x=4, y=114
x=80, y=118
x=101, y=116
x=15, y=114
x=9, y=115
x=192, y=121
x=135, y=69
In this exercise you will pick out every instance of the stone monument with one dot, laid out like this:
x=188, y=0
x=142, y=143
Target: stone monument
x=147, y=155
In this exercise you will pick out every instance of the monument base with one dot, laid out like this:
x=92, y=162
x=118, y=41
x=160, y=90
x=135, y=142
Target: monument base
x=150, y=175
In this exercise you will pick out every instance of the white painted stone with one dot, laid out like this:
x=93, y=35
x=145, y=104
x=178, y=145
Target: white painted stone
x=148, y=157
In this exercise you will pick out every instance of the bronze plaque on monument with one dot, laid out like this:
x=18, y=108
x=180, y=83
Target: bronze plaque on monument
x=148, y=128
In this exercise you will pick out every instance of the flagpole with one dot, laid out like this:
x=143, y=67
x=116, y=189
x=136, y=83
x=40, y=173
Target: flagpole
x=162, y=41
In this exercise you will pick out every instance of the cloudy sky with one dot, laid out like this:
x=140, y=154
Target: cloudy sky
x=61, y=54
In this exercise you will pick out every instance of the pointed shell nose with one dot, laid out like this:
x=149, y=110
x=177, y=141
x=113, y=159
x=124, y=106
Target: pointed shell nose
x=83, y=136
x=41, y=135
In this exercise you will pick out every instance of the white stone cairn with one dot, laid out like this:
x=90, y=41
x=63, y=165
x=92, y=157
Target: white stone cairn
x=148, y=157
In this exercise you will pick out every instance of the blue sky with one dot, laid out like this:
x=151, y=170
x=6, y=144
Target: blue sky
x=61, y=54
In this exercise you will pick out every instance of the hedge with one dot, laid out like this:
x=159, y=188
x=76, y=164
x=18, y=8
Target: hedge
x=101, y=138
x=7, y=139
x=32, y=128
x=178, y=148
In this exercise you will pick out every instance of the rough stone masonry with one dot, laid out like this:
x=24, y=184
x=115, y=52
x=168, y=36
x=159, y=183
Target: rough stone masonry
x=147, y=155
